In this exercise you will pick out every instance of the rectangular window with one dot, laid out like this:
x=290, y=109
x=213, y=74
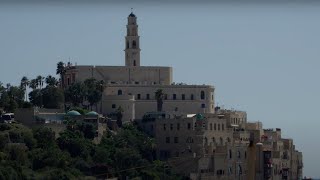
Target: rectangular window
x=164, y=127
x=138, y=96
x=171, y=126
x=174, y=97
x=222, y=127
x=167, y=139
x=203, y=105
x=189, y=126
x=148, y=96
x=166, y=96
x=151, y=127
x=218, y=127
x=210, y=126
x=215, y=126
x=178, y=126
x=183, y=96
x=176, y=140
x=113, y=106
x=191, y=97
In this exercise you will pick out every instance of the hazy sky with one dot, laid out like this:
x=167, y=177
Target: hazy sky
x=261, y=58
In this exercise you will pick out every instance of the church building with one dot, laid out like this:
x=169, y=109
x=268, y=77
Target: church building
x=133, y=86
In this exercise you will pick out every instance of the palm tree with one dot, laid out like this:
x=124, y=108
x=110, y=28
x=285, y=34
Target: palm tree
x=40, y=81
x=61, y=70
x=159, y=97
x=33, y=84
x=24, y=83
x=51, y=81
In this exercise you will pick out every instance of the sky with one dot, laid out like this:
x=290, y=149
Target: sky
x=262, y=58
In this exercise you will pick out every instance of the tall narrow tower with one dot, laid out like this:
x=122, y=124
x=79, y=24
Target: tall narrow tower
x=132, y=51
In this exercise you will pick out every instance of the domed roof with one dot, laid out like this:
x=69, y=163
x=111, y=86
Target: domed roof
x=199, y=116
x=73, y=113
x=132, y=15
x=92, y=113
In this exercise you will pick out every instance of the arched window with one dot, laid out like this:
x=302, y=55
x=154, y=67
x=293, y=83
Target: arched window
x=119, y=92
x=221, y=141
x=228, y=140
x=191, y=97
x=134, y=62
x=202, y=95
x=134, y=45
x=214, y=140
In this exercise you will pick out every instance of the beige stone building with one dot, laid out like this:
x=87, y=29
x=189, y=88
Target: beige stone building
x=133, y=86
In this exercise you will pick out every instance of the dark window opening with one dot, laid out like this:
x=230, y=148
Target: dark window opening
x=134, y=62
x=119, y=92
x=178, y=126
x=148, y=96
x=203, y=105
x=192, y=97
x=183, y=96
x=176, y=140
x=174, y=97
x=189, y=126
x=167, y=139
x=202, y=95
x=113, y=106
x=139, y=96
x=134, y=44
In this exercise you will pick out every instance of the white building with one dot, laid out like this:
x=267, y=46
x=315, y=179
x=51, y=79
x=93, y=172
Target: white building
x=133, y=86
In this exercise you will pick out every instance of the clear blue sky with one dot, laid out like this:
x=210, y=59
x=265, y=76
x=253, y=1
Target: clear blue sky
x=261, y=58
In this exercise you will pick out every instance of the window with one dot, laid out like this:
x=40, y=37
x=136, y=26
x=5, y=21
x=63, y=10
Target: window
x=113, y=106
x=174, y=97
x=218, y=127
x=230, y=154
x=167, y=139
x=245, y=154
x=222, y=127
x=189, y=126
x=202, y=95
x=212, y=96
x=215, y=126
x=183, y=96
x=221, y=141
x=230, y=170
x=127, y=44
x=192, y=97
x=228, y=140
x=134, y=44
x=178, y=126
x=151, y=127
x=134, y=62
x=214, y=140
x=68, y=81
x=148, y=96
x=176, y=140
x=164, y=127
x=210, y=126
x=166, y=96
x=238, y=154
x=171, y=126
x=139, y=96
x=203, y=105
x=119, y=92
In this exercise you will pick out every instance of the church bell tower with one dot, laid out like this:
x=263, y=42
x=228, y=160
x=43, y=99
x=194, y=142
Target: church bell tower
x=132, y=50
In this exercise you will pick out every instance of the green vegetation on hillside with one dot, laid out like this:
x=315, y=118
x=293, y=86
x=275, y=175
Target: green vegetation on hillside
x=36, y=154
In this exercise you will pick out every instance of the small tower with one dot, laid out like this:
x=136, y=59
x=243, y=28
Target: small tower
x=132, y=50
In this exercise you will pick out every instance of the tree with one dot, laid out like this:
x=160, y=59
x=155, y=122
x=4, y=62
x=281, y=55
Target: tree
x=61, y=70
x=75, y=93
x=52, y=97
x=24, y=84
x=35, y=97
x=40, y=80
x=33, y=84
x=159, y=97
x=119, y=115
x=51, y=81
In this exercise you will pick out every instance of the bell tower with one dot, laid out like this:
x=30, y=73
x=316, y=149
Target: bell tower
x=132, y=50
